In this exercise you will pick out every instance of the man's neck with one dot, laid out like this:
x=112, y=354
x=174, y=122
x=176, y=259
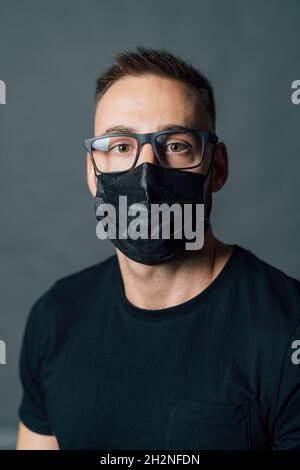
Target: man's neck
x=169, y=284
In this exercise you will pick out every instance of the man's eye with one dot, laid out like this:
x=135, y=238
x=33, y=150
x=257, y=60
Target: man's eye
x=121, y=148
x=176, y=147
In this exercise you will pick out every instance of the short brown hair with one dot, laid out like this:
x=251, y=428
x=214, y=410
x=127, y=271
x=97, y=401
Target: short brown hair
x=160, y=62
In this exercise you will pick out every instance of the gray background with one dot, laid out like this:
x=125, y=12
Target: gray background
x=50, y=55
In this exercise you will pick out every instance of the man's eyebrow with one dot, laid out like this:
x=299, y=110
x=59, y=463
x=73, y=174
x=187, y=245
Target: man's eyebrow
x=132, y=130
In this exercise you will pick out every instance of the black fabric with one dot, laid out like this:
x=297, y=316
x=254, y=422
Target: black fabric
x=215, y=372
x=145, y=185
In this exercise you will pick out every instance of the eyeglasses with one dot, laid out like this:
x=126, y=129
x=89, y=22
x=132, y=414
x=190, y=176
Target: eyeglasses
x=178, y=149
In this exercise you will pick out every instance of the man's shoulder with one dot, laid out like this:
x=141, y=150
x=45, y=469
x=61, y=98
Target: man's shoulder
x=269, y=313
x=262, y=270
x=68, y=293
x=274, y=292
x=97, y=272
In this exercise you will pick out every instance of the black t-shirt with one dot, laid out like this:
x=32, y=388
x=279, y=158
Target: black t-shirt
x=219, y=371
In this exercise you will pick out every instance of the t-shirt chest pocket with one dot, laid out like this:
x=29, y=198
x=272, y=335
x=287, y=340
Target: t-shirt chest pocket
x=204, y=426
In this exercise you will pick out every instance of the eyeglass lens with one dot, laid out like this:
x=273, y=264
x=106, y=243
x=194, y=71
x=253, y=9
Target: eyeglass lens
x=174, y=150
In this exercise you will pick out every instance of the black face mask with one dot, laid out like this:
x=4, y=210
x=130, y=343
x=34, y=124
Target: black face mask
x=147, y=184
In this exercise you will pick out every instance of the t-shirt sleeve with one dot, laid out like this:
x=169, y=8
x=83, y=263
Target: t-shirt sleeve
x=33, y=410
x=286, y=430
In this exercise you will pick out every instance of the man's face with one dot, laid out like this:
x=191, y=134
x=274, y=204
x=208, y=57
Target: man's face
x=145, y=104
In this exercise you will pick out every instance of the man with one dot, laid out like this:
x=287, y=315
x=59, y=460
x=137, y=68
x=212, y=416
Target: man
x=161, y=347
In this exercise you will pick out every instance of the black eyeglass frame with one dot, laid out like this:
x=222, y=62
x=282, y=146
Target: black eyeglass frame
x=150, y=137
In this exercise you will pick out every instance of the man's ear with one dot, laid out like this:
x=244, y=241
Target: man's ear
x=91, y=178
x=220, y=167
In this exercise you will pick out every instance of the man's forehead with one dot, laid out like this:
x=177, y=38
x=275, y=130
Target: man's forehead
x=140, y=102
x=123, y=128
